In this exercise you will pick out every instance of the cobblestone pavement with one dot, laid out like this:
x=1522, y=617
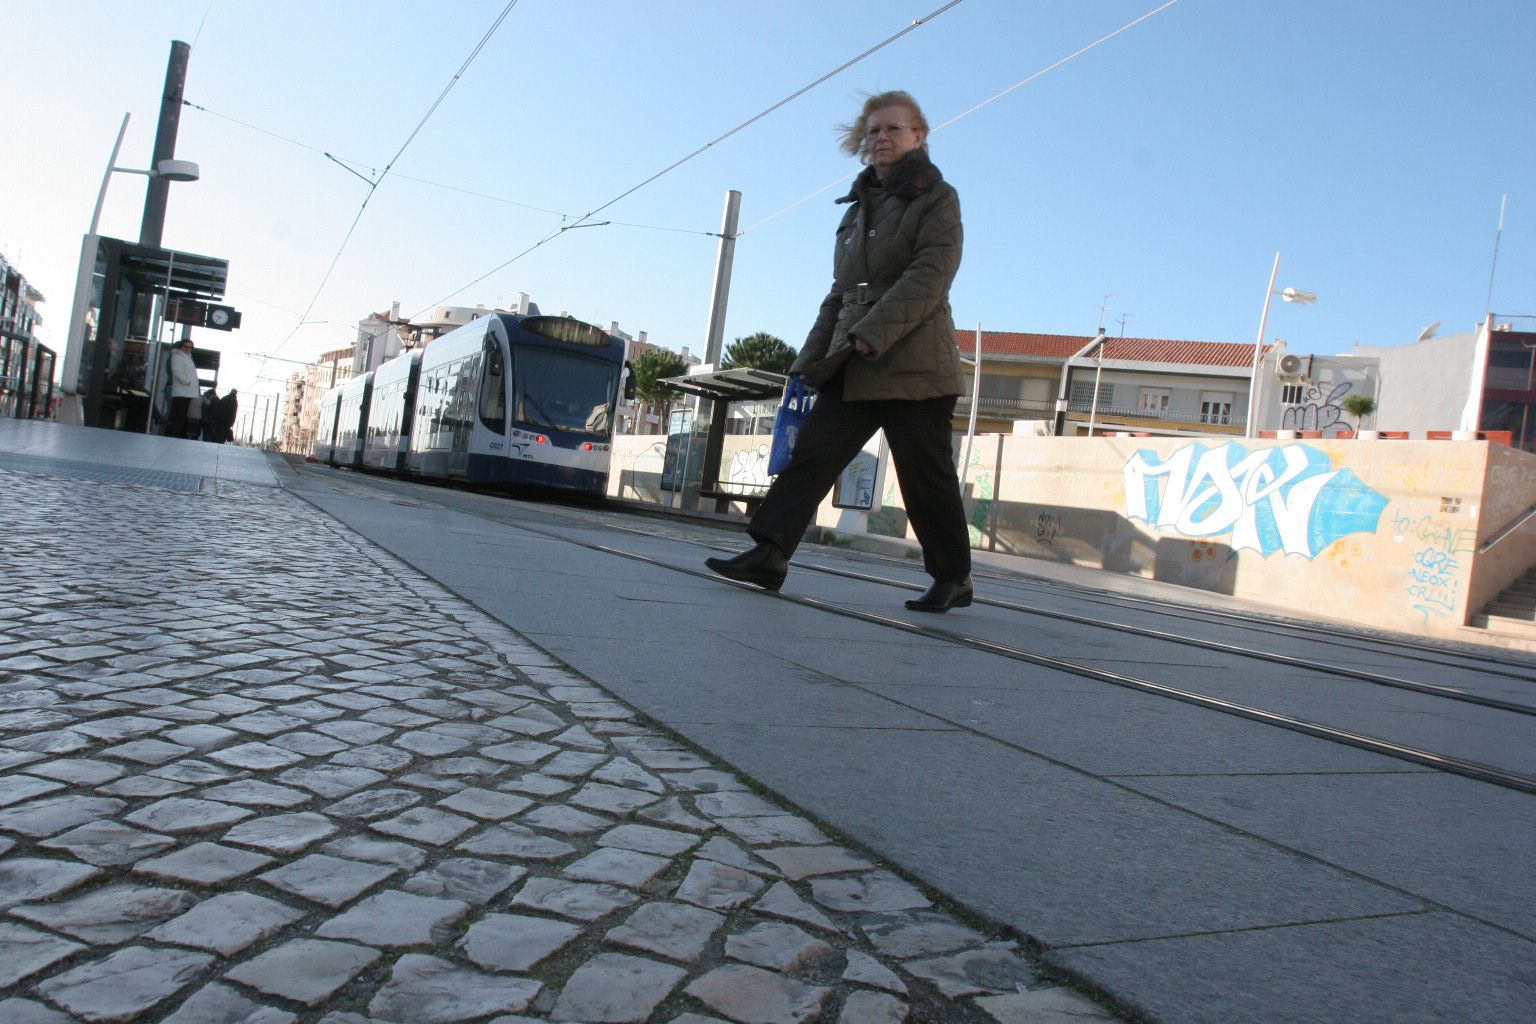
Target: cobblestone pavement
x=254, y=770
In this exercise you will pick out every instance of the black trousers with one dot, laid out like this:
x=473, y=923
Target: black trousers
x=176, y=425
x=918, y=433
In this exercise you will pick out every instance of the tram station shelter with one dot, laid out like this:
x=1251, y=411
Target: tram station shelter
x=115, y=360
x=695, y=450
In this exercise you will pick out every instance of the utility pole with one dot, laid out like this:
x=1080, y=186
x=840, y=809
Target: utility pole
x=721, y=294
x=153, y=226
x=272, y=430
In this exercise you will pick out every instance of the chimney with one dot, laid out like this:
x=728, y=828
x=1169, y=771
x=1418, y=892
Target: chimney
x=642, y=337
x=394, y=310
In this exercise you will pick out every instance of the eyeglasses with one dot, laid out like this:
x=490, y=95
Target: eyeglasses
x=889, y=129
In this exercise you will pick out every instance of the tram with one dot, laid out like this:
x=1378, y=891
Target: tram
x=352, y=422
x=508, y=399
x=391, y=412
x=325, y=427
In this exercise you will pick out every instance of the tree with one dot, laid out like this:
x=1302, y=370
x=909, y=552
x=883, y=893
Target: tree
x=650, y=369
x=760, y=351
x=1359, y=406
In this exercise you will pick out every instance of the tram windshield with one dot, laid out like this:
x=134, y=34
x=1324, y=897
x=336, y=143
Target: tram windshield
x=562, y=391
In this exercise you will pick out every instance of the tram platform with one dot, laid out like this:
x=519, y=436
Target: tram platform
x=1170, y=864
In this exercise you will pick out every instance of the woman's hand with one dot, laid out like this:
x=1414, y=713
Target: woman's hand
x=862, y=347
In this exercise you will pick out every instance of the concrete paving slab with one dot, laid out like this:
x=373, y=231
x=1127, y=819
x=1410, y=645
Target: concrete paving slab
x=1082, y=723
x=1037, y=846
x=1438, y=968
x=1472, y=842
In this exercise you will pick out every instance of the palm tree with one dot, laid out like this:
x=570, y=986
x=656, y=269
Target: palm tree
x=1359, y=406
x=760, y=351
x=650, y=369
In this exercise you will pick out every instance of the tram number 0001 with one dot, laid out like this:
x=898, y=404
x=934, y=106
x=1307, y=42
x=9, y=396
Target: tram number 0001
x=497, y=446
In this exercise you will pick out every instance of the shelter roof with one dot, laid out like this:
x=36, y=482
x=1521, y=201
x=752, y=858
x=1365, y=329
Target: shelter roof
x=741, y=384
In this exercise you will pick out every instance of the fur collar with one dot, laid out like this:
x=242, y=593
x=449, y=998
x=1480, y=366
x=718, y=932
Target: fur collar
x=909, y=177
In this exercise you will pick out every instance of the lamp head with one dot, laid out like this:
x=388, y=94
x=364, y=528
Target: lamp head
x=177, y=170
x=1298, y=296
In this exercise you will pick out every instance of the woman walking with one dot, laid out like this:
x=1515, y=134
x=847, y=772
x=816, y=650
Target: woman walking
x=882, y=355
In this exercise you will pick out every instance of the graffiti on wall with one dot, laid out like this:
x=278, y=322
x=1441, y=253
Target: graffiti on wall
x=1435, y=575
x=1317, y=411
x=1286, y=498
x=749, y=468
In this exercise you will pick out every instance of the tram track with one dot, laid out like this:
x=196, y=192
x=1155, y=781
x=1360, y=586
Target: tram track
x=1407, y=752
x=1341, y=635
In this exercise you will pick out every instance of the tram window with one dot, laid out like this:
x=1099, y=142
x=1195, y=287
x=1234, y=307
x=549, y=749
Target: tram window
x=493, y=389
x=563, y=391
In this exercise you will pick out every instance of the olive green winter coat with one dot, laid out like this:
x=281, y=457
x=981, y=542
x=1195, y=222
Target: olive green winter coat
x=903, y=246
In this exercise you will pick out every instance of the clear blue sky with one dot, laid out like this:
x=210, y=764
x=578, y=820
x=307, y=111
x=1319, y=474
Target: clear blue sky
x=1368, y=140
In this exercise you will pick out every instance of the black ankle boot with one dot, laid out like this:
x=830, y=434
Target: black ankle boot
x=764, y=566
x=944, y=595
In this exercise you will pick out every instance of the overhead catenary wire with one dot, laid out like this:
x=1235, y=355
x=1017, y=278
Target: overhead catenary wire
x=916, y=23
x=373, y=187
x=352, y=167
x=966, y=113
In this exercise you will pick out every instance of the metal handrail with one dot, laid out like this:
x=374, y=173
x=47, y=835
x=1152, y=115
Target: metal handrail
x=1511, y=528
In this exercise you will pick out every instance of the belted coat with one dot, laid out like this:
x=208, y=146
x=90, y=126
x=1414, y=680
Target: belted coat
x=895, y=258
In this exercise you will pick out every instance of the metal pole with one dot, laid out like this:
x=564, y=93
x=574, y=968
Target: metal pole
x=720, y=295
x=970, y=428
x=154, y=369
x=272, y=429
x=1258, y=351
x=1098, y=372
x=153, y=225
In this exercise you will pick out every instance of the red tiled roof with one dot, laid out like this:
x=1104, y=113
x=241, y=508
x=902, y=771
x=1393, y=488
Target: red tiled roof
x=1008, y=343
x=1143, y=350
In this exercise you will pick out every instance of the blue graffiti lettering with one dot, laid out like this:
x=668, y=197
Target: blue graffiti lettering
x=1287, y=498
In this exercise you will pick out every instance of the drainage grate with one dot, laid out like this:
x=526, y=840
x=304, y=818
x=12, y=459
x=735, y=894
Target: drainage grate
x=101, y=472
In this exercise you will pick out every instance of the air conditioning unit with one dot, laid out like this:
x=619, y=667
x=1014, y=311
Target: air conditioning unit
x=1290, y=366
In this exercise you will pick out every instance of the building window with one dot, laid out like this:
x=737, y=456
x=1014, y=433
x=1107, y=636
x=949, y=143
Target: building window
x=1215, y=407
x=1292, y=394
x=998, y=386
x=1082, y=394
x=1154, y=400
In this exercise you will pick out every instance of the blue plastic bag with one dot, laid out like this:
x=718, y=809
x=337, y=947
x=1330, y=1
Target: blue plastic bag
x=796, y=406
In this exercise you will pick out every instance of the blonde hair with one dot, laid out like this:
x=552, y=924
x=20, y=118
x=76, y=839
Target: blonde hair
x=855, y=143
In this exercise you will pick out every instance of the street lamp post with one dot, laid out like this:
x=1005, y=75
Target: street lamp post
x=1288, y=295
x=74, y=342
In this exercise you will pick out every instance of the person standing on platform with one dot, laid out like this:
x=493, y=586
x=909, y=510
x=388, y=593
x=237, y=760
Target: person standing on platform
x=228, y=406
x=211, y=413
x=882, y=355
x=183, y=372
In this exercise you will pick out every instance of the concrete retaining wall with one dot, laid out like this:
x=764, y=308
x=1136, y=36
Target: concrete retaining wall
x=1384, y=533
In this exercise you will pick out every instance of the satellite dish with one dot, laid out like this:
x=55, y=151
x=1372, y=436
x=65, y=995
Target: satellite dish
x=1429, y=332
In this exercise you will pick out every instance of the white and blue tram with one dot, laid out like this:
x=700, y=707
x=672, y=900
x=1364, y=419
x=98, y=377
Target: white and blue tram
x=507, y=399
x=325, y=427
x=391, y=412
x=352, y=422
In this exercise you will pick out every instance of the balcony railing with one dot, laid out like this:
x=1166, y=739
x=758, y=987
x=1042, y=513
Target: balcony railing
x=1020, y=409
x=1080, y=409
x=1008, y=408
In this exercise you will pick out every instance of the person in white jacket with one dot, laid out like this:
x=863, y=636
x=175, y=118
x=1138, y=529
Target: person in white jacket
x=183, y=387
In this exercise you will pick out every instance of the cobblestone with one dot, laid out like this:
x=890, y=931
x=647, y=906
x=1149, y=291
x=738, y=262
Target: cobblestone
x=301, y=784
